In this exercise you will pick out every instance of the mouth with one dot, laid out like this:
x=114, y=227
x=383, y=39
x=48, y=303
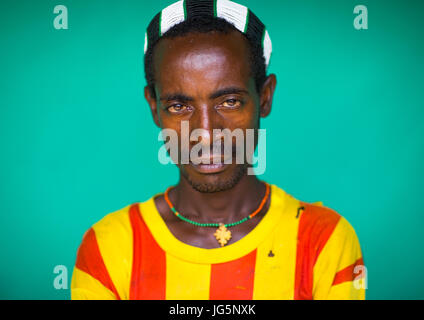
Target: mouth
x=208, y=168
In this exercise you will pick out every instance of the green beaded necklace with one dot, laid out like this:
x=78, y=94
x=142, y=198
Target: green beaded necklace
x=222, y=234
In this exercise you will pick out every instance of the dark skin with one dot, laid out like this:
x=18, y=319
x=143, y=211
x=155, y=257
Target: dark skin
x=205, y=78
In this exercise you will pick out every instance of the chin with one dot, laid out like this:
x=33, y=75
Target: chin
x=214, y=182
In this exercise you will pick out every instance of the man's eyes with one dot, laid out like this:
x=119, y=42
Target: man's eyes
x=231, y=104
x=227, y=104
x=177, y=108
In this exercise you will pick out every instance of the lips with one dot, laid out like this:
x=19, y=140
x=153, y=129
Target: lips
x=211, y=167
x=214, y=159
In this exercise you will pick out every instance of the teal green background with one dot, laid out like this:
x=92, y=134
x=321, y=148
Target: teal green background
x=77, y=139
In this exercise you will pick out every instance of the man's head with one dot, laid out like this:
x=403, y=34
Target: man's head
x=208, y=73
x=208, y=24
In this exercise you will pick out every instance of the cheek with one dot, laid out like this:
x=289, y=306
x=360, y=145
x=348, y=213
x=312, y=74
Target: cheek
x=167, y=121
x=170, y=122
x=245, y=118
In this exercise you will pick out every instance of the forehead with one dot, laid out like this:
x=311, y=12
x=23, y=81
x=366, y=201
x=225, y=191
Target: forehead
x=202, y=61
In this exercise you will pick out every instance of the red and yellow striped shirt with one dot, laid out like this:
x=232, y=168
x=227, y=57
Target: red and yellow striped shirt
x=312, y=253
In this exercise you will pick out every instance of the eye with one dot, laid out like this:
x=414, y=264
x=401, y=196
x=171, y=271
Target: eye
x=231, y=104
x=177, y=108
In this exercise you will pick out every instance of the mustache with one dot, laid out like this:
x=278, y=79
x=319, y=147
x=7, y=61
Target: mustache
x=215, y=150
x=213, y=154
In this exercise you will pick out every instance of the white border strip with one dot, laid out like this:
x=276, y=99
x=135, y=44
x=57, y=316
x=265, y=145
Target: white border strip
x=232, y=12
x=267, y=48
x=171, y=15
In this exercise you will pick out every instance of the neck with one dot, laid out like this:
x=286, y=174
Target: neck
x=218, y=207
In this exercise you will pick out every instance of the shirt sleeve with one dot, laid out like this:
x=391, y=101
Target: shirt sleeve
x=86, y=287
x=339, y=272
x=90, y=278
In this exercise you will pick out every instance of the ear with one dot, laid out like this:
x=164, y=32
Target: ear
x=267, y=94
x=151, y=100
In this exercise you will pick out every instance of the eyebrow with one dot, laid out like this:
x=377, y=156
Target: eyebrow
x=184, y=98
x=229, y=90
x=176, y=96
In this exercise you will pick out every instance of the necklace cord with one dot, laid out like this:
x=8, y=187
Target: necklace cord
x=250, y=216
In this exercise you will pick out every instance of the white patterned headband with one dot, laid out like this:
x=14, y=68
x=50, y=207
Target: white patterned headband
x=238, y=15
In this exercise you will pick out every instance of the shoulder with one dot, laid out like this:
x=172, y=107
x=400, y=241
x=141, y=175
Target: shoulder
x=315, y=215
x=107, y=241
x=318, y=223
x=313, y=220
x=115, y=221
x=112, y=231
x=121, y=224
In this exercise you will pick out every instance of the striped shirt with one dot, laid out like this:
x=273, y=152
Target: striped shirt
x=297, y=251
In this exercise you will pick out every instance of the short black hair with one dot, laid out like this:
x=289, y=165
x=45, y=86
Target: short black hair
x=207, y=24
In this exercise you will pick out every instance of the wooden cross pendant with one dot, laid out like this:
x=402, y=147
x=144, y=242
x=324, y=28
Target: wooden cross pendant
x=222, y=234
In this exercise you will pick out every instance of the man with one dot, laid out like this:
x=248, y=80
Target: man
x=221, y=233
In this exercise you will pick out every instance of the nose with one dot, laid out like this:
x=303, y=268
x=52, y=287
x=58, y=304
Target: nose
x=205, y=120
